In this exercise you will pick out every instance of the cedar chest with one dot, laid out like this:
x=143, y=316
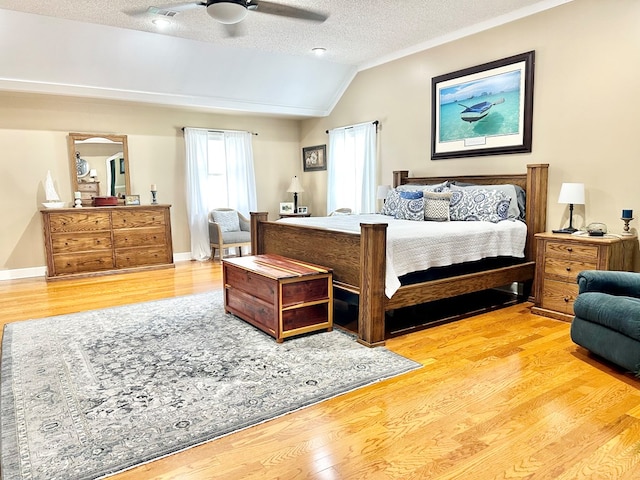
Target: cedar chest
x=280, y=296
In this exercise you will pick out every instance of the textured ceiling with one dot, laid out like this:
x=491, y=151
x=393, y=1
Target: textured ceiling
x=357, y=32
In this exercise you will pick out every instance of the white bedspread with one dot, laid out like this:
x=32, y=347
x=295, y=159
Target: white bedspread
x=414, y=246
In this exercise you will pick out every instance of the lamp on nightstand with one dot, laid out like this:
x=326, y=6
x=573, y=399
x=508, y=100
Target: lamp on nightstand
x=295, y=188
x=571, y=193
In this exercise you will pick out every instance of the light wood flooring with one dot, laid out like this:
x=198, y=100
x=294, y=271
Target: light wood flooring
x=502, y=395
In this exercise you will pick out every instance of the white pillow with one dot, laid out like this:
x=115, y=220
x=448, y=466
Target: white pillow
x=227, y=219
x=436, y=206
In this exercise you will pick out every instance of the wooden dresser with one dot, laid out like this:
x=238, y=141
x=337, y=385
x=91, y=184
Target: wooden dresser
x=88, y=190
x=560, y=257
x=280, y=296
x=89, y=241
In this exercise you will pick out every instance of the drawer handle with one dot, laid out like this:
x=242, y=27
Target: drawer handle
x=566, y=299
x=569, y=249
x=568, y=269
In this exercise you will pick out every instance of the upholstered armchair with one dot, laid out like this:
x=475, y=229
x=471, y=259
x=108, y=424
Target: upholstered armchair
x=607, y=316
x=228, y=228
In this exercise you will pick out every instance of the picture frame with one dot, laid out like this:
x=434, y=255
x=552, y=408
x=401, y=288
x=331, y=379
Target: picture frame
x=483, y=110
x=122, y=166
x=314, y=158
x=132, y=199
x=303, y=210
x=286, y=208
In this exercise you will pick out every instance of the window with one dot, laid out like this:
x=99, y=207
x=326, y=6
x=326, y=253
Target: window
x=352, y=168
x=217, y=193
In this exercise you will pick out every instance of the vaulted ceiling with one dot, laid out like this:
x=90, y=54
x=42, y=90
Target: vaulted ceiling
x=263, y=64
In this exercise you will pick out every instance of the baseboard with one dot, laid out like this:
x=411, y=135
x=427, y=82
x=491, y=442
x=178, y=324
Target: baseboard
x=18, y=273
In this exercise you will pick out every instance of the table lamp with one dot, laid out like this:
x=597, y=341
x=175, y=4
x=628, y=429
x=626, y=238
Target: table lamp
x=295, y=188
x=571, y=193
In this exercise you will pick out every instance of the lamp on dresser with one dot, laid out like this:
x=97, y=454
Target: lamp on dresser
x=573, y=194
x=295, y=188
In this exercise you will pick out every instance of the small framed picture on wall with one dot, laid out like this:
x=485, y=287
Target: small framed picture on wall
x=314, y=158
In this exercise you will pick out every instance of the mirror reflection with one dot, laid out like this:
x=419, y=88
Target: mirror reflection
x=99, y=166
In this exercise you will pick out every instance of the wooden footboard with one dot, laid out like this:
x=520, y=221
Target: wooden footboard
x=359, y=261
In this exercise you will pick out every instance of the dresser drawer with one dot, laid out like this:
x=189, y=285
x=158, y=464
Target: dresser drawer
x=79, y=222
x=136, y=257
x=566, y=270
x=137, y=218
x=82, y=262
x=80, y=241
x=571, y=250
x=136, y=237
x=559, y=296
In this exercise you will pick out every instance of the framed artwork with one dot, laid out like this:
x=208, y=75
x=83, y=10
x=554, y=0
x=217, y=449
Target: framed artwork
x=483, y=110
x=304, y=210
x=122, y=165
x=314, y=158
x=132, y=199
x=286, y=207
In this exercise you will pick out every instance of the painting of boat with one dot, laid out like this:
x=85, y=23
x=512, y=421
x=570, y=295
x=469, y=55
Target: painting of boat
x=478, y=111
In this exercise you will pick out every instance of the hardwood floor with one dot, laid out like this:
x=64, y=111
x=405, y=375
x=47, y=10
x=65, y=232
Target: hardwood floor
x=501, y=395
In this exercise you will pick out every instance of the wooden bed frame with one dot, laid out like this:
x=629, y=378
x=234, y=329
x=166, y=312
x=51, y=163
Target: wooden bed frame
x=358, y=260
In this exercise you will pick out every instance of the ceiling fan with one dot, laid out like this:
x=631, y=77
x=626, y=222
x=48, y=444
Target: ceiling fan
x=230, y=12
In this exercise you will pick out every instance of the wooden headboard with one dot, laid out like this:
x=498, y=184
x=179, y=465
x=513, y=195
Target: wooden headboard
x=534, y=183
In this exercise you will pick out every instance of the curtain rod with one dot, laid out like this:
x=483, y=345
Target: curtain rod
x=219, y=131
x=375, y=122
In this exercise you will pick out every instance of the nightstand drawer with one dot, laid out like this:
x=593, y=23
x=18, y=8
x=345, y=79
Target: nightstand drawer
x=571, y=250
x=566, y=270
x=559, y=296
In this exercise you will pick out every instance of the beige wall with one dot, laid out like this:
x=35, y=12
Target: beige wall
x=33, y=132
x=586, y=103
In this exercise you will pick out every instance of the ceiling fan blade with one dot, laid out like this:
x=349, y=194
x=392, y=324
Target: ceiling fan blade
x=273, y=8
x=177, y=7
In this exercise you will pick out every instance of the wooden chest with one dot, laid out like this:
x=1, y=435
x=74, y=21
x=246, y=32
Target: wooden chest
x=280, y=296
x=561, y=257
x=91, y=241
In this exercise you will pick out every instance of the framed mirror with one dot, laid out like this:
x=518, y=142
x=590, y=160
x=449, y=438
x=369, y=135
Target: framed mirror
x=99, y=166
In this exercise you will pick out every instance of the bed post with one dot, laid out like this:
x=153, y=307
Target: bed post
x=400, y=177
x=536, y=218
x=371, y=321
x=257, y=247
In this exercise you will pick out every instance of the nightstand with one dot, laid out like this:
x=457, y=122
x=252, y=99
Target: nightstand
x=294, y=215
x=559, y=259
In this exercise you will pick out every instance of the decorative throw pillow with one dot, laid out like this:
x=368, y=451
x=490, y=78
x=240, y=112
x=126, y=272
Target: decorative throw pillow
x=411, y=206
x=436, y=206
x=509, y=190
x=227, y=219
x=391, y=203
x=479, y=204
x=435, y=187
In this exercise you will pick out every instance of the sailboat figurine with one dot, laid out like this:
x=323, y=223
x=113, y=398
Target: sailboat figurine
x=53, y=199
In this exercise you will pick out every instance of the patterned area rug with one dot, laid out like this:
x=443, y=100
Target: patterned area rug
x=89, y=394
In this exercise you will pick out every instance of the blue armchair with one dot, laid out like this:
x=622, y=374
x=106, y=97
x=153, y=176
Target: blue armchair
x=607, y=316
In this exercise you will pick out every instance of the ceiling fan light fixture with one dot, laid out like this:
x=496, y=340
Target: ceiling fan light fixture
x=228, y=12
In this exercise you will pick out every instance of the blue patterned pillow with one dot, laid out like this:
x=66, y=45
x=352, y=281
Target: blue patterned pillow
x=411, y=206
x=391, y=203
x=479, y=205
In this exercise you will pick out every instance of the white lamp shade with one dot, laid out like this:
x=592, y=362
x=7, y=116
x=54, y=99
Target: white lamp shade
x=295, y=186
x=383, y=191
x=572, y=193
x=228, y=12
x=93, y=173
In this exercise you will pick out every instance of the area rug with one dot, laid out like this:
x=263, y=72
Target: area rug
x=90, y=394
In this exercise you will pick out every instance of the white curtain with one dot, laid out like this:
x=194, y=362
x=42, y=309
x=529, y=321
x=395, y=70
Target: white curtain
x=240, y=182
x=351, y=168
